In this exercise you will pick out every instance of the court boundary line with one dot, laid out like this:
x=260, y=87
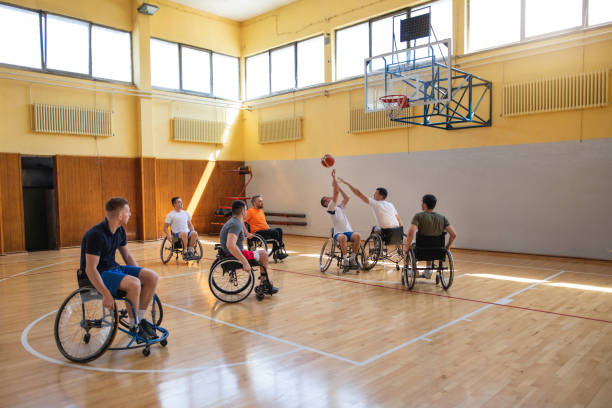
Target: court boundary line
x=28, y=347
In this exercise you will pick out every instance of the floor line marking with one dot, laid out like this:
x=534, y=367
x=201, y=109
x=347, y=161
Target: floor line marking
x=268, y=336
x=425, y=336
x=35, y=269
x=535, y=267
x=28, y=347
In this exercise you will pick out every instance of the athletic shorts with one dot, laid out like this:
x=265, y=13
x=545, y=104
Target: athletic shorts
x=251, y=255
x=113, y=277
x=348, y=235
x=176, y=234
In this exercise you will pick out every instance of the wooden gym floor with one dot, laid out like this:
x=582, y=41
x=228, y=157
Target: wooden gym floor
x=513, y=330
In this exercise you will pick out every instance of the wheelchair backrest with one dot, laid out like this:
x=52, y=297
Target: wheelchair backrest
x=248, y=227
x=430, y=248
x=392, y=236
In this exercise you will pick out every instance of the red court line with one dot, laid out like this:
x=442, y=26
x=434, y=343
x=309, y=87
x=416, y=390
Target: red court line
x=447, y=296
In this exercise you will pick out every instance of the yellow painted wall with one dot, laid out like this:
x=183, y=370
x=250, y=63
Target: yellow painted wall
x=141, y=124
x=326, y=118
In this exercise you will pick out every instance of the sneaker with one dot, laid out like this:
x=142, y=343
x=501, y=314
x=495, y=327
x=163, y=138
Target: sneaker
x=268, y=288
x=147, y=327
x=427, y=273
x=281, y=255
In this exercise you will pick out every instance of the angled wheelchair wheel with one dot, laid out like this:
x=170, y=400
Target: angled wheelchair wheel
x=371, y=252
x=446, y=273
x=155, y=313
x=256, y=243
x=84, y=329
x=197, y=250
x=409, y=270
x=328, y=253
x=166, y=251
x=229, y=282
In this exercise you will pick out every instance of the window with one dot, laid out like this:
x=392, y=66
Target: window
x=226, y=77
x=20, y=37
x=499, y=22
x=352, y=47
x=600, y=11
x=195, y=66
x=67, y=45
x=111, y=54
x=258, y=75
x=441, y=18
x=310, y=62
x=282, y=69
x=547, y=16
x=164, y=64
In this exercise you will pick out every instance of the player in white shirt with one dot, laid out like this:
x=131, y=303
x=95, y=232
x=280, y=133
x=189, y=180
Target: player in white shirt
x=387, y=218
x=340, y=223
x=180, y=225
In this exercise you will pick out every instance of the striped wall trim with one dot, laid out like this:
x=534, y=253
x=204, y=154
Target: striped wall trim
x=555, y=94
x=284, y=130
x=361, y=121
x=196, y=130
x=72, y=120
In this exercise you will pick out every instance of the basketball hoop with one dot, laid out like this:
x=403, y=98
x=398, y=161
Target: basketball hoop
x=394, y=104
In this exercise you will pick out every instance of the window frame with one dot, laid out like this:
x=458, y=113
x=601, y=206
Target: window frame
x=295, y=73
x=43, y=48
x=584, y=26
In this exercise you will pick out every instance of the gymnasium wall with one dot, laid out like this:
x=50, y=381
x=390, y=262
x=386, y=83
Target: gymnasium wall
x=535, y=183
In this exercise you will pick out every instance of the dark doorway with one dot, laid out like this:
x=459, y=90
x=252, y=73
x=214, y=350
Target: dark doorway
x=39, y=202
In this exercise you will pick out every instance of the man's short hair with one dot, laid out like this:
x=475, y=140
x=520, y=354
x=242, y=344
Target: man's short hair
x=383, y=192
x=115, y=204
x=430, y=201
x=237, y=207
x=174, y=199
x=254, y=198
x=323, y=201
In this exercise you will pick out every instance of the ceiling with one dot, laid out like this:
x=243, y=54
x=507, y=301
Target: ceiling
x=238, y=10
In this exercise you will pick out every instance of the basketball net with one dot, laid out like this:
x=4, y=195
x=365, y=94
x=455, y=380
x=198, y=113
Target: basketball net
x=394, y=104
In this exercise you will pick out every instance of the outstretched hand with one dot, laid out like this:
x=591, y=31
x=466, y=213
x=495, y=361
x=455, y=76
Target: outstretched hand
x=342, y=180
x=334, y=173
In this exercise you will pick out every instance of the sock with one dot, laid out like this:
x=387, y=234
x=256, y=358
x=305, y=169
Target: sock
x=141, y=314
x=353, y=256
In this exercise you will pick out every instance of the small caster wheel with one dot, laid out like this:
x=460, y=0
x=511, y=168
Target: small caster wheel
x=259, y=292
x=164, y=343
x=146, y=351
x=86, y=338
x=397, y=268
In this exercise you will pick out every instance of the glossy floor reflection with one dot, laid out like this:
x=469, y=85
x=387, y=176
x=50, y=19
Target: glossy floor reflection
x=513, y=330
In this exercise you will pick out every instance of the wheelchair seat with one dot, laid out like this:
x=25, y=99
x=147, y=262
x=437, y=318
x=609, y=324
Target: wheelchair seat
x=430, y=248
x=392, y=236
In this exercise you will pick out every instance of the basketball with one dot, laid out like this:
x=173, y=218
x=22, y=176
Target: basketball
x=327, y=160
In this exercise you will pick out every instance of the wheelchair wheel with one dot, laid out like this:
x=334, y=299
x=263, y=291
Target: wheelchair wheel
x=256, y=243
x=229, y=282
x=84, y=329
x=155, y=313
x=166, y=251
x=409, y=271
x=371, y=252
x=447, y=274
x=328, y=253
x=197, y=250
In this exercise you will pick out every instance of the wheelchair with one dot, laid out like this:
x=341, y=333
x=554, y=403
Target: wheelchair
x=229, y=282
x=175, y=247
x=376, y=247
x=84, y=329
x=331, y=251
x=429, y=248
x=259, y=242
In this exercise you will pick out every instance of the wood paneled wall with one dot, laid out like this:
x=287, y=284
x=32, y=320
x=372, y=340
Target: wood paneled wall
x=83, y=184
x=11, y=201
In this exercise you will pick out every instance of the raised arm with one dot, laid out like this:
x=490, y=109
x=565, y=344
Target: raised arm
x=345, y=197
x=356, y=191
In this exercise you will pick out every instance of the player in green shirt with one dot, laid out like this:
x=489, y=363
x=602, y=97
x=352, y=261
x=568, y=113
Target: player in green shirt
x=430, y=223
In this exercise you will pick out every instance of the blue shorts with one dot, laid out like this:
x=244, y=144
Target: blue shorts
x=176, y=234
x=348, y=235
x=112, y=277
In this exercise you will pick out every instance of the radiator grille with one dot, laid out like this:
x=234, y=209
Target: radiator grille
x=195, y=130
x=284, y=130
x=367, y=122
x=577, y=91
x=71, y=120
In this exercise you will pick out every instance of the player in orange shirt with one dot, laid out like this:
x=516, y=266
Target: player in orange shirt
x=256, y=219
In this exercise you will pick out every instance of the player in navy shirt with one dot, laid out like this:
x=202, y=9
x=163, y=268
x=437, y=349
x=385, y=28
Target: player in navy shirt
x=98, y=261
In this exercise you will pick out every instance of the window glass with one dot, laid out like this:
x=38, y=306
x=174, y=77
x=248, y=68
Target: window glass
x=493, y=22
x=22, y=27
x=600, y=11
x=226, y=77
x=67, y=45
x=164, y=64
x=311, y=62
x=352, y=47
x=111, y=54
x=282, y=72
x=195, y=65
x=257, y=75
x=547, y=16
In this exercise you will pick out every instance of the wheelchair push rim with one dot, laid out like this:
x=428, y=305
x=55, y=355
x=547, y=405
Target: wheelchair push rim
x=229, y=282
x=446, y=273
x=371, y=251
x=166, y=251
x=328, y=253
x=256, y=243
x=409, y=270
x=84, y=329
